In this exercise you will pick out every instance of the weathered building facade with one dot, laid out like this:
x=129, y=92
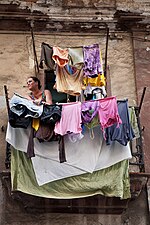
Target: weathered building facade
x=126, y=57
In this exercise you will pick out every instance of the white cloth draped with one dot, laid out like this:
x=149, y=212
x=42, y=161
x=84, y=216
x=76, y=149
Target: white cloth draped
x=86, y=155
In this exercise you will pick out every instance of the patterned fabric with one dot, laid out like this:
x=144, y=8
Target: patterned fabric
x=92, y=63
x=89, y=111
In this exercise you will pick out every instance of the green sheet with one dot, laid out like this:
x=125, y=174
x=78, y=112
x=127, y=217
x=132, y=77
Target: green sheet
x=112, y=181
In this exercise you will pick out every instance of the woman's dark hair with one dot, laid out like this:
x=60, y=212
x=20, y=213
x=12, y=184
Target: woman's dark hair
x=37, y=80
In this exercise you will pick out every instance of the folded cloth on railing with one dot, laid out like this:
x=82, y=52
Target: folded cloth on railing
x=18, y=121
x=20, y=105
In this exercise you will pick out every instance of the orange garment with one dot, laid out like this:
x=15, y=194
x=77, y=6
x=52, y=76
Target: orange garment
x=60, y=56
x=69, y=83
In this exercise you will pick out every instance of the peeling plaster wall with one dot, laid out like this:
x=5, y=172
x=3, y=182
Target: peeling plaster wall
x=120, y=61
x=14, y=69
x=48, y=5
x=134, y=5
x=74, y=16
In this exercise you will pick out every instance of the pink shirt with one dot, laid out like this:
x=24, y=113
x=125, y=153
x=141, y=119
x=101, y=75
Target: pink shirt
x=70, y=119
x=108, y=112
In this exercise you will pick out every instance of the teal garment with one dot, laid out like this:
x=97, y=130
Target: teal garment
x=112, y=181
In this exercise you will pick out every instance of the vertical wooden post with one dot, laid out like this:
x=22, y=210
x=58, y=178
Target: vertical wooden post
x=34, y=50
x=106, y=52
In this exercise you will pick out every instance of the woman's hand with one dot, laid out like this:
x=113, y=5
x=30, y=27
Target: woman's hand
x=37, y=102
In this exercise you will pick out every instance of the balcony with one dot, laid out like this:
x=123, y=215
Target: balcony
x=97, y=204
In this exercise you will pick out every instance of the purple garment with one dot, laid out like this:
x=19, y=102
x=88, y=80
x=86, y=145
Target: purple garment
x=89, y=110
x=92, y=63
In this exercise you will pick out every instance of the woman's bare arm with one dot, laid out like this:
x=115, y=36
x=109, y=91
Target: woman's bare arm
x=48, y=97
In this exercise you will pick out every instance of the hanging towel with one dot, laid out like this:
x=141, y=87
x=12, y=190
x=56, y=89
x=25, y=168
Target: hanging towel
x=76, y=55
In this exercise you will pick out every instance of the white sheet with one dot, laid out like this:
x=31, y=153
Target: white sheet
x=85, y=156
x=82, y=154
x=47, y=170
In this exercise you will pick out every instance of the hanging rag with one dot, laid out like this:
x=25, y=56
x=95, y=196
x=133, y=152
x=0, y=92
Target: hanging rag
x=69, y=83
x=76, y=55
x=60, y=56
x=46, y=133
x=46, y=56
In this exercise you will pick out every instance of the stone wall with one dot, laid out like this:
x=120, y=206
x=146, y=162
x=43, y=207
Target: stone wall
x=142, y=68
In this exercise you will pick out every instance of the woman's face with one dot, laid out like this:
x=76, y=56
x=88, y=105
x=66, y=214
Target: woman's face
x=31, y=84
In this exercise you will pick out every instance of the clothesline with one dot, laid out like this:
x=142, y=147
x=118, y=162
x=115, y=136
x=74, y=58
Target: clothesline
x=37, y=66
x=64, y=47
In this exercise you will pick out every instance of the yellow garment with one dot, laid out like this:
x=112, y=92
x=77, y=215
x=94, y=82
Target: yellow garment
x=96, y=81
x=35, y=123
